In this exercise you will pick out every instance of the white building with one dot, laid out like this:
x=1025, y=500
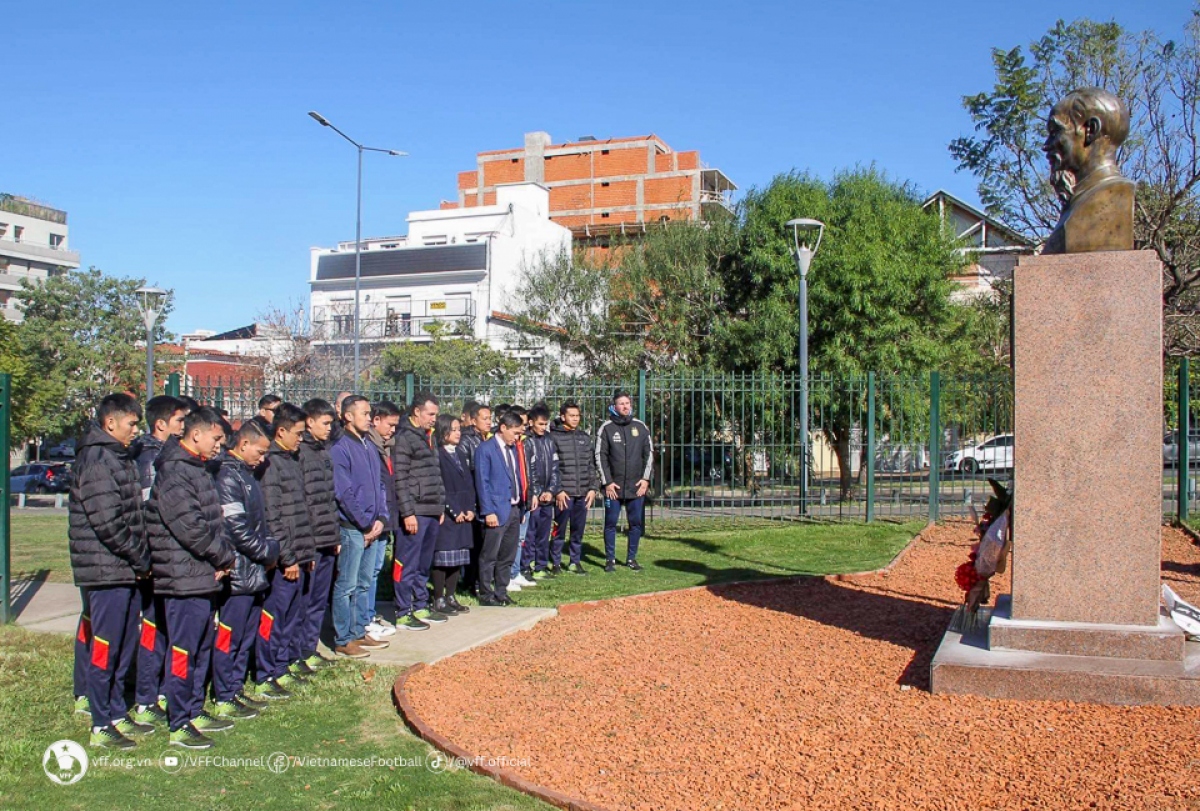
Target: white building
x=33, y=246
x=458, y=267
x=992, y=246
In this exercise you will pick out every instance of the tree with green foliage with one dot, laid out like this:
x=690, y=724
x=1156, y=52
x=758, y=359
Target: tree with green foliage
x=879, y=291
x=449, y=355
x=82, y=338
x=1159, y=79
x=649, y=303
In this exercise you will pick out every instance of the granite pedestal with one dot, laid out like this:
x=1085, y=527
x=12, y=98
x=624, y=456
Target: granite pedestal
x=1087, y=513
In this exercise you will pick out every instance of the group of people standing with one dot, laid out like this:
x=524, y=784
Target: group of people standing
x=208, y=557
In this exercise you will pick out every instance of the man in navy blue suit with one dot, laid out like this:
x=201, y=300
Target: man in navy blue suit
x=499, y=486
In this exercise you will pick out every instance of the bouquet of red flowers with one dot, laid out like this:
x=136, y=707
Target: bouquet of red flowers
x=974, y=576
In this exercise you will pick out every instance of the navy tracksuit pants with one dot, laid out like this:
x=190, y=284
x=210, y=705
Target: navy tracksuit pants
x=537, y=537
x=635, y=514
x=576, y=516
x=316, y=604
x=190, y=629
x=414, y=560
x=152, y=645
x=273, y=645
x=83, y=645
x=237, y=626
x=109, y=651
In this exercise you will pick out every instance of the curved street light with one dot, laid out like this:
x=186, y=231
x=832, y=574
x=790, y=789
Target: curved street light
x=151, y=302
x=324, y=122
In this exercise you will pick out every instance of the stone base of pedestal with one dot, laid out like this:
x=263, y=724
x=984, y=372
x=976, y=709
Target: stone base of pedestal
x=965, y=664
x=1164, y=642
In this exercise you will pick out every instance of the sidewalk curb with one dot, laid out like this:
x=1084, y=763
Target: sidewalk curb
x=477, y=764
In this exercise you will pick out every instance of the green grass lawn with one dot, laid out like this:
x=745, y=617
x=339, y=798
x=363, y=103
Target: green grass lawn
x=347, y=712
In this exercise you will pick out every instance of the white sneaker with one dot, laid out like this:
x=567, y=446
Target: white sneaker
x=513, y=585
x=379, y=629
x=525, y=582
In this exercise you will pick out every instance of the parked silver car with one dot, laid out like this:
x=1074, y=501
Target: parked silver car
x=1171, y=449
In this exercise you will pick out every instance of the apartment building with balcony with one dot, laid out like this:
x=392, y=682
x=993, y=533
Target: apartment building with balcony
x=33, y=246
x=455, y=267
x=602, y=187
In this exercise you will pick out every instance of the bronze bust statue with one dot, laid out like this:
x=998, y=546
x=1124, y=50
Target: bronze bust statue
x=1084, y=131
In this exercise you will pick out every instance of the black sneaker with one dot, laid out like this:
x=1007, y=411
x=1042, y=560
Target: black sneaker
x=610, y=566
x=457, y=606
x=634, y=565
x=443, y=606
x=506, y=600
x=578, y=569
x=556, y=570
x=489, y=601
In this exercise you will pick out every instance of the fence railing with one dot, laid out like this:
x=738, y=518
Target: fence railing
x=728, y=444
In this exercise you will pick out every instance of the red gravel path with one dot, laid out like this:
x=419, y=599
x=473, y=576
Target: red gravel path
x=801, y=695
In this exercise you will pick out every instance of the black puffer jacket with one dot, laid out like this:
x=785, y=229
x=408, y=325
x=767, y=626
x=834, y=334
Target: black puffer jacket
x=469, y=442
x=188, y=541
x=418, y=473
x=576, y=461
x=145, y=450
x=317, y=468
x=624, y=453
x=246, y=522
x=287, y=515
x=107, y=530
x=543, y=465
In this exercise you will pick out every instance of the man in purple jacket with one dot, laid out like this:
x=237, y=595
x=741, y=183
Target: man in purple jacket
x=363, y=515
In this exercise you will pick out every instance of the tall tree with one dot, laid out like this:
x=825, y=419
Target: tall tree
x=879, y=289
x=448, y=356
x=1160, y=81
x=85, y=338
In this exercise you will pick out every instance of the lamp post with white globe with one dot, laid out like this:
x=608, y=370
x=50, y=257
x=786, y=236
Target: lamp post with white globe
x=804, y=254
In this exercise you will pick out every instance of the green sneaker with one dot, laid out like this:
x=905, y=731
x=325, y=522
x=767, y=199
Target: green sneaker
x=109, y=737
x=410, y=623
x=543, y=574
x=430, y=615
x=162, y=703
x=82, y=705
x=129, y=727
x=318, y=662
x=301, y=669
x=234, y=711
x=271, y=690
x=289, y=681
x=149, y=714
x=250, y=701
x=189, y=737
x=207, y=722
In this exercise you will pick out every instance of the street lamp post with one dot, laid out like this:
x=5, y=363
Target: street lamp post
x=151, y=301
x=804, y=255
x=324, y=122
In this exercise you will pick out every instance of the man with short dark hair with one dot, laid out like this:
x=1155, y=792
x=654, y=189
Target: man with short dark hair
x=191, y=553
x=476, y=430
x=109, y=556
x=385, y=418
x=578, y=484
x=317, y=467
x=268, y=407
x=164, y=419
x=544, y=478
x=421, y=497
x=625, y=457
x=498, y=483
x=288, y=519
x=362, y=515
x=240, y=606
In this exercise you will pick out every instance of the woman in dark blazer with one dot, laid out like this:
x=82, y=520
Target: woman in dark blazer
x=456, y=537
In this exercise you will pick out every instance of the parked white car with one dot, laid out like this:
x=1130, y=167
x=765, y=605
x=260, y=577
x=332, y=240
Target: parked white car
x=994, y=453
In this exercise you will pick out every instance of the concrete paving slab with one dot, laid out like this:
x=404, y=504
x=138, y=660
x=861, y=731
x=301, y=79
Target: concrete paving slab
x=466, y=631
x=38, y=602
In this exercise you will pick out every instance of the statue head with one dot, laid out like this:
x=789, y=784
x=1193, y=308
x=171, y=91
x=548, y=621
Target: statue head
x=1083, y=133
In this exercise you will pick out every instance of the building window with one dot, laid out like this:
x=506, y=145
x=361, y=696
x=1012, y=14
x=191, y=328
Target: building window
x=434, y=240
x=604, y=184
x=604, y=215
x=515, y=160
x=56, y=240
x=18, y=232
x=603, y=151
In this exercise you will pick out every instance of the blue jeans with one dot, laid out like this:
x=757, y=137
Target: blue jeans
x=521, y=556
x=635, y=513
x=350, y=587
x=376, y=553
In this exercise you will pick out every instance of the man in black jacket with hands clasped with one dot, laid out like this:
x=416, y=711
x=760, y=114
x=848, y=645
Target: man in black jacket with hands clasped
x=191, y=554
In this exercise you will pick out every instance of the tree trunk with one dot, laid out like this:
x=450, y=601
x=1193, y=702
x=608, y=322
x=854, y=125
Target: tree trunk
x=841, y=446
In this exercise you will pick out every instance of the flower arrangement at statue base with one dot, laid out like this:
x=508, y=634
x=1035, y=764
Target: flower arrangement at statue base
x=988, y=557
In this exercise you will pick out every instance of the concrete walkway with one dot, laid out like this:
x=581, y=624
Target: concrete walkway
x=54, y=608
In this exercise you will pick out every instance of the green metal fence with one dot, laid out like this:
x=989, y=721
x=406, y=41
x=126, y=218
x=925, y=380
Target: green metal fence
x=728, y=444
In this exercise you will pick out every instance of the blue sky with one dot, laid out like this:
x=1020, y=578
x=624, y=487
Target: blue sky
x=176, y=135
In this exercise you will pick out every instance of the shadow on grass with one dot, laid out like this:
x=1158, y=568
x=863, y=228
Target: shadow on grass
x=915, y=624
